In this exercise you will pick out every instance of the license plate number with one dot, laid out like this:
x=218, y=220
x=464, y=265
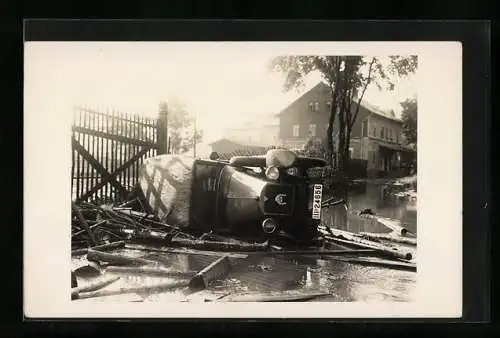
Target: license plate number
x=317, y=194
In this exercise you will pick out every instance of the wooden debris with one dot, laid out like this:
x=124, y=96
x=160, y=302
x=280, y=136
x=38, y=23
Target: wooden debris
x=318, y=252
x=103, y=247
x=150, y=271
x=92, y=269
x=395, y=265
x=163, y=287
x=116, y=259
x=284, y=297
x=83, y=222
x=390, y=252
x=74, y=281
x=219, y=246
x=389, y=237
x=182, y=251
x=99, y=284
x=350, y=239
x=215, y=270
x=90, y=227
x=394, y=225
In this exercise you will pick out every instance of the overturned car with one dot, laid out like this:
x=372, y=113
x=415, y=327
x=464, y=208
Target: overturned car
x=247, y=195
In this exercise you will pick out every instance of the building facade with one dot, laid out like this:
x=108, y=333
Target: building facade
x=263, y=130
x=376, y=136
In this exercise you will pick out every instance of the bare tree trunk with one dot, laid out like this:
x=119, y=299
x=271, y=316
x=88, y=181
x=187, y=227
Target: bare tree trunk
x=342, y=126
x=335, y=88
x=351, y=117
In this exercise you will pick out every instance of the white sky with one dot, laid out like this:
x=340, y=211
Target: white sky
x=222, y=83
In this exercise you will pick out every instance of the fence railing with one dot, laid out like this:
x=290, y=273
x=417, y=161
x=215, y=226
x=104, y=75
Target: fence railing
x=108, y=149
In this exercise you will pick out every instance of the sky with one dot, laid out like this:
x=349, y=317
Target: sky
x=222, y=84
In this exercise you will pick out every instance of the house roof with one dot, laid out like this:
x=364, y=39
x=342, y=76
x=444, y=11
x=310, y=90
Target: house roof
x=367, y=105
x=319, y=85
x=377, y=111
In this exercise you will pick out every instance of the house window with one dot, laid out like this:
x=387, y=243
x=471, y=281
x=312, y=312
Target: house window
x=397, y=137
x=350, y=152
x=313, y=106
x=390, y=134
x=312, y=130
x=364, y=128
x=328, y=105
x=382, y=133
x=374, y=133
x=295, y=130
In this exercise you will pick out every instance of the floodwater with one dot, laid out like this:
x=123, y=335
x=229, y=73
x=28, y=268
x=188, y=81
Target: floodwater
x=371, y=196
x=263, y=275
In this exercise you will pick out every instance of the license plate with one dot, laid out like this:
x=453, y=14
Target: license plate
x=317, y=194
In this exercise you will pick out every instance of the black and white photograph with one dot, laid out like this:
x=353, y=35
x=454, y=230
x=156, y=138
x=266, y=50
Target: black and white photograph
x=213, y=173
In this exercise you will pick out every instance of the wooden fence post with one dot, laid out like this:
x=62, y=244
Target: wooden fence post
x=162, y=137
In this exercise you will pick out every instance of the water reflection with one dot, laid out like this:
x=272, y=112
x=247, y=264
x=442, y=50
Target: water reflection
x=371, y=196
x=343, y=281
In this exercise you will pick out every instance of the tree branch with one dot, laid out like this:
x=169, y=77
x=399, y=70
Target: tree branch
x=368, y=80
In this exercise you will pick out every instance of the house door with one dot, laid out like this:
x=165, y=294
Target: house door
x=386, y=161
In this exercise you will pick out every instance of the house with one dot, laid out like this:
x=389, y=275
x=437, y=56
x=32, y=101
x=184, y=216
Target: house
x=261, y=130
x=225, y=148
x=376, y=136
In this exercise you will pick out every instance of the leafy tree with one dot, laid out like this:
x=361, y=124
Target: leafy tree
x=181, y=128
x=346, y=76
x=409, y=117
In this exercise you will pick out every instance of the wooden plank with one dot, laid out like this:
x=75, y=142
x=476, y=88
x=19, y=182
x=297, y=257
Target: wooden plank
x=107, y=153
x=395, y=265
x=119, y=149
x=107, y=177
x=149, y=271
x=96, y=285
x=146, y=135
x=83, y=223
x=86, y=121
x=100, y=152
x=393, y=252
x=103, y=247
x=283, y=297
x=114, y=148
x=217, y=269
x=136, y=135
x=110, y=178
x=127, y=157
x=147, y=121
x=94, y=152
x=389, y=237
x=78, y=161
x=73, y=164
x=162, y=287
x=127, y=151
x=94, y=255
x=189, y=252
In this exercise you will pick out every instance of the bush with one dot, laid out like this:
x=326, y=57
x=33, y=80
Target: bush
x=314, y=148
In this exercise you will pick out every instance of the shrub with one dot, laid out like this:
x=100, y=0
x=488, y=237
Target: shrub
x=314, y=148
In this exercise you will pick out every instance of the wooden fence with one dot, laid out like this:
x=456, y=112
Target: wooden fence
x=108, y=149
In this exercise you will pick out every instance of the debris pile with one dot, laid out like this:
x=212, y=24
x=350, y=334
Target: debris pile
x=105, y=236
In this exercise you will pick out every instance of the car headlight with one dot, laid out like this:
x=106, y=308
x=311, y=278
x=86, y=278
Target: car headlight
x=272, y=173
x=293, y=171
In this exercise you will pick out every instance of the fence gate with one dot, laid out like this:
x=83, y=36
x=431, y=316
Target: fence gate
x=107, y=151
